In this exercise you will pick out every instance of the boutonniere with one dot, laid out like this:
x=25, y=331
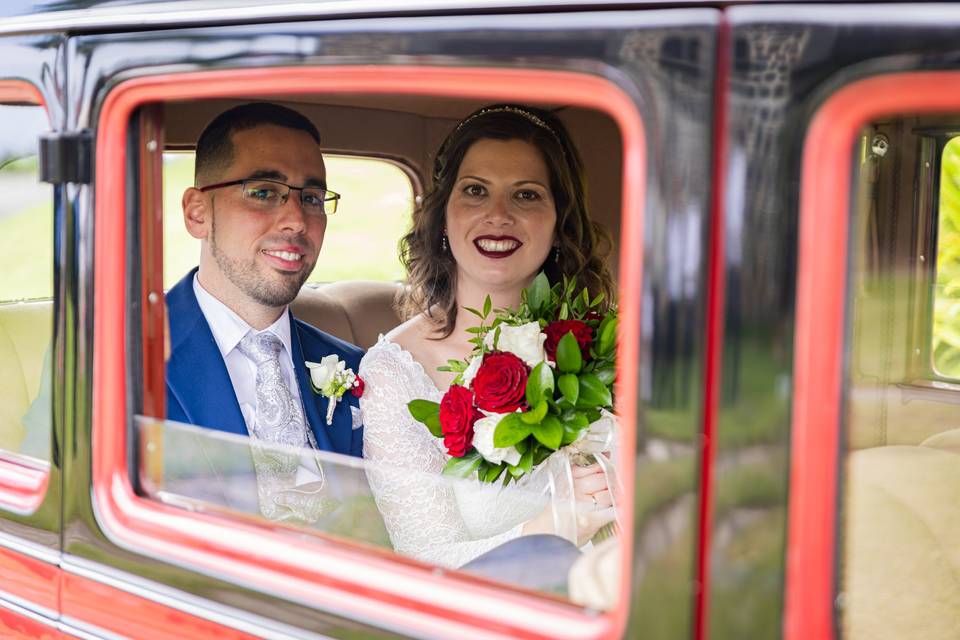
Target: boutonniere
x=331, y=379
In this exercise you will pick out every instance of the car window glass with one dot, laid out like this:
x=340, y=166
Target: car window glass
x=209, y=471
x=26, y=288
x=945, y=346
x=901, y=466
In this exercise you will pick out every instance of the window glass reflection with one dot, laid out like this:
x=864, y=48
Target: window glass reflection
x=209, y=471
x=26, y=289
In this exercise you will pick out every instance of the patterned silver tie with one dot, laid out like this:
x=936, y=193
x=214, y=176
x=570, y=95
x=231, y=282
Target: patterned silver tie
x=279, y=420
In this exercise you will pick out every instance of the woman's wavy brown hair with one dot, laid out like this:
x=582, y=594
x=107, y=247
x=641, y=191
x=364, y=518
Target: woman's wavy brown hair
x=582, y=244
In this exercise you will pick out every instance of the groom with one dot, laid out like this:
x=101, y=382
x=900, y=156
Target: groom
x=259, y=208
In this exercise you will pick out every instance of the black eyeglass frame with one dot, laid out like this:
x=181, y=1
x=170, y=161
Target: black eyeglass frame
x=329, y=196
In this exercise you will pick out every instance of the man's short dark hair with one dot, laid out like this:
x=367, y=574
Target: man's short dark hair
x=215, y=146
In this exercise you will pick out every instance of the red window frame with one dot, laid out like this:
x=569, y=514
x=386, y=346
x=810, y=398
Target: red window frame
x=379, y=587
x=22, y=485
x=819, y=348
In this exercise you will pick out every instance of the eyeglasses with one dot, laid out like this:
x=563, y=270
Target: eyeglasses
x=266, y=195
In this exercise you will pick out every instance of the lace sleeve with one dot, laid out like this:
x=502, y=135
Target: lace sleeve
x=404, y=462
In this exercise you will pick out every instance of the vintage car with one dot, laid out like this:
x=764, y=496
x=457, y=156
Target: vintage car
x=781, y=186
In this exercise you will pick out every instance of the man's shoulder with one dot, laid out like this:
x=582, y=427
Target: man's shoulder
x=183, y=310
x=316, y=341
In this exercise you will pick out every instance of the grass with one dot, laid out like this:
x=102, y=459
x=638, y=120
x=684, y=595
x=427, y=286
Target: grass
x=26, y=244
x=746, y=583
x=758, y=414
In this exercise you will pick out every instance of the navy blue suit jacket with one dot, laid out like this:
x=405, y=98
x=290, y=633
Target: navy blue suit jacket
x=199, y=390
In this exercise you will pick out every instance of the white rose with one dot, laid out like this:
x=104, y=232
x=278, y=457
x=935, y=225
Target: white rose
x=483, y=441
x=323, y=373
x=471, y=370
x=525, y=342
x=598, y=436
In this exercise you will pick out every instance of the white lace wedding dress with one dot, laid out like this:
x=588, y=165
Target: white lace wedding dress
x=430, y=517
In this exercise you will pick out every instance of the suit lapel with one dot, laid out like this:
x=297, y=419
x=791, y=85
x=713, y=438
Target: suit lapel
x=196, y=373
x=314, y=404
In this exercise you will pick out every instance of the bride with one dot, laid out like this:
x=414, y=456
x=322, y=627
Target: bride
x=507, y=200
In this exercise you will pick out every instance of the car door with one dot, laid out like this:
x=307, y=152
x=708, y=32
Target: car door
x=832, y=458
x=34, y=343
x=649, y=73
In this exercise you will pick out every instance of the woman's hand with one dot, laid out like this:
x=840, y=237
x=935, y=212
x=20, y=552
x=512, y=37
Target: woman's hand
x=594, y=500
x=594, y=505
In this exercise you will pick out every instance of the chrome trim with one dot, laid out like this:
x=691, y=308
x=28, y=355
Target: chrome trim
x=200, y=12
x=27, y=608
x=27, y=548
x=175, y=599
x=85, y=631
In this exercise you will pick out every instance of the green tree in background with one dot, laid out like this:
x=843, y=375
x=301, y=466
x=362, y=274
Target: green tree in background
x=946, y=314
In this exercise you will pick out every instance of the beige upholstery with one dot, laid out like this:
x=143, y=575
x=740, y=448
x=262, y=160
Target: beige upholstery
x=355, y=310
x=25, y=332
x=901, y=564
x=946, y=441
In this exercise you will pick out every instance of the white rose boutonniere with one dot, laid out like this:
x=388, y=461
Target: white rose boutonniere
x=331, y=379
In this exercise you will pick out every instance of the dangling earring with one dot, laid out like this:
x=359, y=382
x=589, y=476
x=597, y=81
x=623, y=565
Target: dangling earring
x=443, y=243
x=556, y=254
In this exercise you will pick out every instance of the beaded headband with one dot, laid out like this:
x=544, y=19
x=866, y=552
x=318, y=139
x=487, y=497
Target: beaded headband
x=523, y=113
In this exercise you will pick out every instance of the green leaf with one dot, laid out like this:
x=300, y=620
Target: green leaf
x=569, y=358
x=569, y=387
x=526, y=461
x=521, y=446
x=549, y=432
x=538, y=292
x=463, y=467
x=606, y=375
x=539, y=384
x=574, y=422
x=493, y=472
x=511, y=430
x=536, y=415
x=593, y=393
x=596, y=301
x=428, y=413
x=475, y=312
x=487, y=305
x=541, y=454
x=433, y=425
x=570, y=434
x=608, y=336
x=522, y=467
x=576, y=419
x=423, y=409
x=564, y=312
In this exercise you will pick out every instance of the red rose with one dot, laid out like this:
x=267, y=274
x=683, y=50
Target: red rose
x=357, y=389
x=457, y=415
x=559, y=328
x=501, y=382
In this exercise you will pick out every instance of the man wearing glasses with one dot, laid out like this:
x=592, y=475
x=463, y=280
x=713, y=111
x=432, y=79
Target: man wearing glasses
x=238, y=364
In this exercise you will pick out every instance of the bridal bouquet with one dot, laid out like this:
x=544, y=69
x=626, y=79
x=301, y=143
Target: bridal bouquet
x=539, y=379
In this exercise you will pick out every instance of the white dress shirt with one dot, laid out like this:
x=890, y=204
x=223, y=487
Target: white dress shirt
x=228, y=330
